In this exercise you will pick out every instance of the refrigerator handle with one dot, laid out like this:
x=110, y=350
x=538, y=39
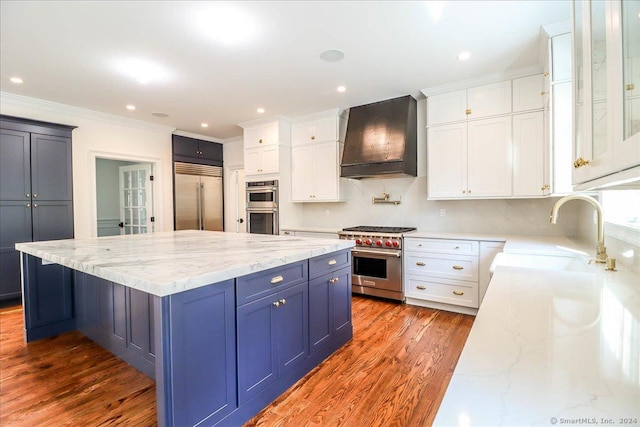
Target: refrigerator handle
x=199, y=206
x=203, y=225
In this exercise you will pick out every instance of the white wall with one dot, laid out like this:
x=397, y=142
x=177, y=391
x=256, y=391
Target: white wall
x=106, y=136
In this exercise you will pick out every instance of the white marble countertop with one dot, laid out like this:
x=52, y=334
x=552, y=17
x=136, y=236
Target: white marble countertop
x=550, y=347
x=169, y=262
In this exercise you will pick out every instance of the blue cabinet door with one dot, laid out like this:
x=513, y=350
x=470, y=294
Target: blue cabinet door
x=51, y=168
x=15, y=227
x=292, y=323
x=257, y=363
x=202, y=354
x=48, y=298
x=15, y=165
x=329, y=306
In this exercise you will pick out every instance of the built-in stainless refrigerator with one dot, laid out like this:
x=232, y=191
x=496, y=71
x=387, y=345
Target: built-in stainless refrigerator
x=198, y=197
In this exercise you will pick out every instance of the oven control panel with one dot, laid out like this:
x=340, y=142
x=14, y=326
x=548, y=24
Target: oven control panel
x=375, y=241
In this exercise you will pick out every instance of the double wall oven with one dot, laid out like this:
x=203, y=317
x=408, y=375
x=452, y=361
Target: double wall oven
x=262, y=207
x=376, y=260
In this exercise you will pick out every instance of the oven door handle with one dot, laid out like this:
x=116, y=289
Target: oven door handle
x=395, y=254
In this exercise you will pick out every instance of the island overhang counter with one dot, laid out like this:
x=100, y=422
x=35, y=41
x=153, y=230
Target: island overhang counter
x=224, y=322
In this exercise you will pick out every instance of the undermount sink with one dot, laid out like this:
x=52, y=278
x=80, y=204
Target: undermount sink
x=540, y=262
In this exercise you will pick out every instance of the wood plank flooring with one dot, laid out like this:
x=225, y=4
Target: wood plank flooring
x=393, y=373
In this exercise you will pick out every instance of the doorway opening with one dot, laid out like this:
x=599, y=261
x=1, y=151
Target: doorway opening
x=124, y=197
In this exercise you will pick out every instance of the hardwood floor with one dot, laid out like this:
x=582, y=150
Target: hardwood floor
x=393, y=373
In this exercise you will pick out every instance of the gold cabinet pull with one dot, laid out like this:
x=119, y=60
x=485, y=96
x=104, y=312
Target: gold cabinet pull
x=630, y=86
x=313, y=137
x=277, y=279
x=334, y=280
x=545, y=187
x=546, y=73
x=276, y=304
x=468, y=111
x=458, y=267
x=420, y=263
x=260, y=141
x=332, y=262
x=580, y=162
x=458, y=293
x=28, y=205
x=283, y=301
x=543, y=93
x=422, y=288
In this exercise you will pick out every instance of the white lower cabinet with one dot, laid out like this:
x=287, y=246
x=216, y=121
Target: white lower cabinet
x=447, y=274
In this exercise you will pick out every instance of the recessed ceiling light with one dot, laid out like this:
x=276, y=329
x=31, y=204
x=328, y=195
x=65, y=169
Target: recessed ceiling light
x=204, y=125
x=260, y=110
x=161, y=115
x=225, y=23
x=16, y=80
x=142, y=71
x=342, y=89
x=332, y=55
x=464, y=55
x=131, y=107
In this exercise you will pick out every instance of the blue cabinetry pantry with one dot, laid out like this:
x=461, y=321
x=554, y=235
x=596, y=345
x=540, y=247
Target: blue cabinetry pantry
x=221, y=352
x=36, y=196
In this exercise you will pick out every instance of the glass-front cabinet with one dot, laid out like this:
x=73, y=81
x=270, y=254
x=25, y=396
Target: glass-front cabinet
x=606, y=50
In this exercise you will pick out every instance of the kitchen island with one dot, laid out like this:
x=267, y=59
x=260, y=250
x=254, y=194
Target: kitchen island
x=223, y=322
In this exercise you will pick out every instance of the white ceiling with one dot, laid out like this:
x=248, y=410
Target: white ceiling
x=68, y=52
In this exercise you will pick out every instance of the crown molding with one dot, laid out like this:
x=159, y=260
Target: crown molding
x=39, y=108
x=484, y=80
x=197, y=136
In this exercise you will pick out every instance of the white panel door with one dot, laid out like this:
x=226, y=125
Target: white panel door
x=489, y=157
x=326, y=173
x=528, y=154
x=136, y=199
x=529, y=93
x=447, y=108
x=302, y=173
x=447, y=161
x=489, y=100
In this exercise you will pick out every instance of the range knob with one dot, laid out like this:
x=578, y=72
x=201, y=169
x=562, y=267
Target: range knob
x=379, y=243
x=367, y=242
x=387, y=243
x=358, y=241
x=395, y=244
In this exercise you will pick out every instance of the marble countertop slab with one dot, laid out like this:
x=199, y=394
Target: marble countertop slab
x=166, y=263
x=550, y=348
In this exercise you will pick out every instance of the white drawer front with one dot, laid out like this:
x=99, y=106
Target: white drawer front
x=442, y=246
x=454, y=292
x=456, y=267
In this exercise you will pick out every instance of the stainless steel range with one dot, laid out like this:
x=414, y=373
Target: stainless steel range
x=376, y=260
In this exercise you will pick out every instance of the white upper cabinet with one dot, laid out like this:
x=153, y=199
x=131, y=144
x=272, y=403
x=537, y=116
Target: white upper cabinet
x=489, y=100
x=489, y=157
x=606, y=114
x=447, y=108
x=261, y=135
x=528, y=155
x=500, y=155
x=474, y=103
x=447, y=161
x=316, y=153
x=319, y=130
x=529, y=93
x=266, y=147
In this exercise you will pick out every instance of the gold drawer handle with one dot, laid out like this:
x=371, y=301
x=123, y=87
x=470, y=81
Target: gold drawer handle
x=580, y=162
x=334, y=280
x=260, y=141
x=458, y=267
x=422, y=288
x=458, y=293
x=332, y=262
x=277, y=279
x=420, y=263
x=276, y=304
x=283, y=301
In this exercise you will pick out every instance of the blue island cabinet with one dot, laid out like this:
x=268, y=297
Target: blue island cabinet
x=219, y=353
